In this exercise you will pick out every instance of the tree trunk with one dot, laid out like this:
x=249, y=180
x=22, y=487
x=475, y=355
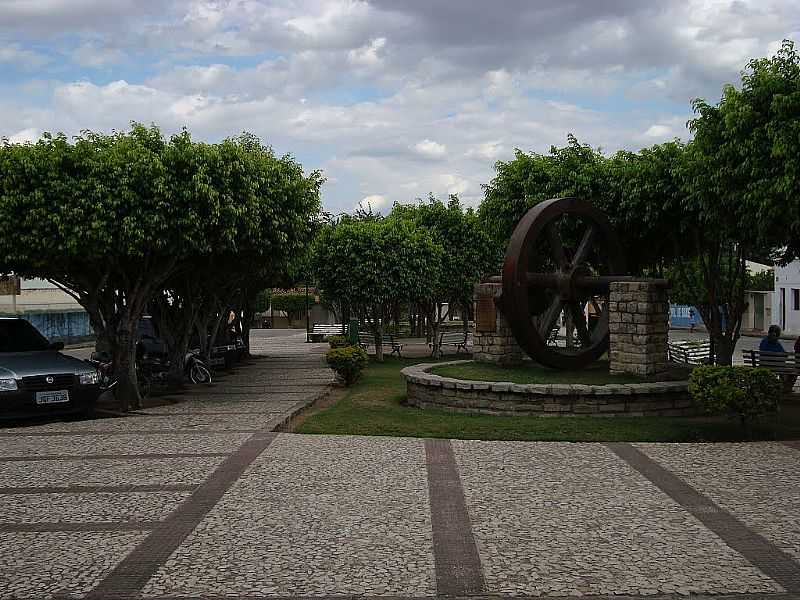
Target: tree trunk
x=378, y=332
x=124, y=360
x=724, y=348
x=435, y=326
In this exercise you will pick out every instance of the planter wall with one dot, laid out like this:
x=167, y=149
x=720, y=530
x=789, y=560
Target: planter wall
x=426, y=390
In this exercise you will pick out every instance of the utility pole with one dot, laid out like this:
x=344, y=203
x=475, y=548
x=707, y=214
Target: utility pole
x=307, y=324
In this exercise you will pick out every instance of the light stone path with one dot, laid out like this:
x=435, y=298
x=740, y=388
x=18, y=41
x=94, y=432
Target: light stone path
x=201, y=500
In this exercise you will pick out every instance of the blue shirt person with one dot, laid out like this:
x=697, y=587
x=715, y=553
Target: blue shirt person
x=771, y=343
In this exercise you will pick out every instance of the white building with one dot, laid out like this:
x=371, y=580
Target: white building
x=786, y=299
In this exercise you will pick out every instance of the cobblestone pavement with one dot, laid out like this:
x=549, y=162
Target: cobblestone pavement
x=201, y=500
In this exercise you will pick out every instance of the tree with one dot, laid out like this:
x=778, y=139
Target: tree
x=464, y=258
x=372, y=265
x=574, y=170
x=762, y=281
x=294, y=304
x=110, y=218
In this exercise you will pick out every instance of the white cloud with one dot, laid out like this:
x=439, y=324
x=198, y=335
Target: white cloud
x=487, y=150
x=16, y=56
x=368, y=56
x=26, y=135
x=375, y=201
x=430, y=149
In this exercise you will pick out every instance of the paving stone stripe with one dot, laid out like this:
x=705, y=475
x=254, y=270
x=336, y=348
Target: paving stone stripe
x=130, y=576
x=565, y=596
x=88, y=489
x=110, y=456
x=71, y=526
x=458, y=565
x=126, y=432
x=761, y=553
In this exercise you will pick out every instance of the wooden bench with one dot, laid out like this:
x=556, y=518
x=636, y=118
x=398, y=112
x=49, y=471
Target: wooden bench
x=452, y=338
x=689, y=353
x=783, y=363
x=320, y=331
x=367, y=339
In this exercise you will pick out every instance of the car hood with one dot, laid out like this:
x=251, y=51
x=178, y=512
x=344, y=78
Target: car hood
x=25, y=364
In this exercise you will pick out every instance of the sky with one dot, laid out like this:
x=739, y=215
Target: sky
x=391, y=99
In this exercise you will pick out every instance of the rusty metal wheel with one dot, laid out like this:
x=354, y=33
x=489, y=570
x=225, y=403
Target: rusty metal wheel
x=562, y=257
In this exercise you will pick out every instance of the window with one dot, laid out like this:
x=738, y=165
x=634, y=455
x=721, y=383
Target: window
x=795, y=299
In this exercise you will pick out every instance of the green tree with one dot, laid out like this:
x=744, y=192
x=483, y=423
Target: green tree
x=372, y=265
x=464, y=258
x=292, y=303
x=110, y=218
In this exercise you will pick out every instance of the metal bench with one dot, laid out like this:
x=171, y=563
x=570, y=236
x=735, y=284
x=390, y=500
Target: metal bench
x=452, y=338
x=689, y=353
x=783, y=363
x=367, y=339
x=320, y=331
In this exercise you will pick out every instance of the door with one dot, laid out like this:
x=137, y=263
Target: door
x=783, y=308
x=758, y=312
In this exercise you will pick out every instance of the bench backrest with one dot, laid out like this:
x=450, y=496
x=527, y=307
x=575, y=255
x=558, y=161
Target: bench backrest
x=780, y=362
x=323, y=328
x=450, y=337
x=690, y=353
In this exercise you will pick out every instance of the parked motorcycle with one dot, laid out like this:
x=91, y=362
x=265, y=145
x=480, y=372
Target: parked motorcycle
x=195, y=369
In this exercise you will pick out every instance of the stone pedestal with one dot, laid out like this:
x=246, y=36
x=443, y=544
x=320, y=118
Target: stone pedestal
x=638, y=316
x=492, y=340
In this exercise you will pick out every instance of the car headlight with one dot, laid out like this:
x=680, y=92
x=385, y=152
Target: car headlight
x=89, y=378
x=8, y=385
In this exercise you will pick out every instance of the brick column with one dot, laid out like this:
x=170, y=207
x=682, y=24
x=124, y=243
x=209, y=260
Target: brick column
x=492, y=339
x=638, y=316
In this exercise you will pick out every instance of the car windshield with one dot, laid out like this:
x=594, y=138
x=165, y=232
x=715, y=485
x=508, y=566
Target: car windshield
x=20, y=336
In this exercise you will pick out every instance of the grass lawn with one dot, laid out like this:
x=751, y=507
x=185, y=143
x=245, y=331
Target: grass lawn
x=596, y=374
x=373, y=406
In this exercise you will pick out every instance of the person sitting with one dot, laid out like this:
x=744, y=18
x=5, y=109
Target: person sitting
x=770, y=343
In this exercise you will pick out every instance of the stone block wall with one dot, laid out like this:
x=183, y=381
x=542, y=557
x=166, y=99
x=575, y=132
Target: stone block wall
x=492, y=339
x=638, y=321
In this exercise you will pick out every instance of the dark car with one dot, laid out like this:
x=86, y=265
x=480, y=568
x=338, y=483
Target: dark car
x=36, y=379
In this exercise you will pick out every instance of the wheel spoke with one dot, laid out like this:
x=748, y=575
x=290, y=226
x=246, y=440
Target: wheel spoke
x=579, y=320
x=585, y=245
x=556, y=247
x=550, y=316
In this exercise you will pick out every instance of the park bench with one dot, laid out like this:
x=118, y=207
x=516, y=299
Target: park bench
x=452, y=338
x=367, y=339
x=783, y=363
x=320, y=331
x=552, y=339
x=689, y=353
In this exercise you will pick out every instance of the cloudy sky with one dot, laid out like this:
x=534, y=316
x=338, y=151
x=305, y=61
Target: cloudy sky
x=392, y=99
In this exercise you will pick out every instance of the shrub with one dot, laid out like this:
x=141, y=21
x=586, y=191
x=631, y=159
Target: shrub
x=741, y=391
x=348, y=362
x=338, y=341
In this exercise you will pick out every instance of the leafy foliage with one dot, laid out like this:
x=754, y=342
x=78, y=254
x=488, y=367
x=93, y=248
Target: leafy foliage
x=118, y=219
x=292, y=303
x=372, y=265
x=338, y=341
x=763, y=280
x=348, y=362
x=741, y=391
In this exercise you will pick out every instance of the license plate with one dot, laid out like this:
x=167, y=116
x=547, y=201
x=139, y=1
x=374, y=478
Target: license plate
x=55, y=397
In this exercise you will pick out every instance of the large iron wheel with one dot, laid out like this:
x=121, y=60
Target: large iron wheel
x=561, y=259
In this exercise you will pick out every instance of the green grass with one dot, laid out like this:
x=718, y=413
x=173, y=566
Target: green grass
x=373, y=406
x=596, y=374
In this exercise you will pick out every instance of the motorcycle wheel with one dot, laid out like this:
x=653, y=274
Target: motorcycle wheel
x=199, y=374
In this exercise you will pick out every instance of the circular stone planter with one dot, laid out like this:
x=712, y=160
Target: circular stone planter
x=426, y=390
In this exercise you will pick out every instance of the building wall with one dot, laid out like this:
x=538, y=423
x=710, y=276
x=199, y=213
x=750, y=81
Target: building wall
x=785, y=311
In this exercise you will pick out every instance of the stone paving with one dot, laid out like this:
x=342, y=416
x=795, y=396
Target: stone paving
x=200, y=500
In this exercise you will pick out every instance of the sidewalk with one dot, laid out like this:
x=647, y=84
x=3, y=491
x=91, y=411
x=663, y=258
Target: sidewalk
x=203, y=500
